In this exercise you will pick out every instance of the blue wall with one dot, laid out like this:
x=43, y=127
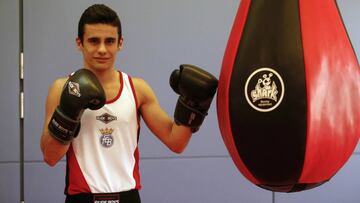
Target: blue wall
x=159, y=35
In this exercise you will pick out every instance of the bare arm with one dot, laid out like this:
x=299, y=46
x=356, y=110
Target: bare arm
x=52, y=149
x=175, y=137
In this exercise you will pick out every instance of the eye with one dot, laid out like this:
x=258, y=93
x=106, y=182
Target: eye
x=94, y=41
x=110, y=41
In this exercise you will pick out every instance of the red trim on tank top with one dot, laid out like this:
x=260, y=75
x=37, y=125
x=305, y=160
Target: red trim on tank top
x=136, y=101
x=76, y=180
x=136, y=173
x=120, y=90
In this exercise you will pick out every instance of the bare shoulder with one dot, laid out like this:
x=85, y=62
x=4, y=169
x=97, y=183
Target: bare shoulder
x=139, y=83
x=57, y=85
x=60, y=82
x=54, y=93
x=143, y=91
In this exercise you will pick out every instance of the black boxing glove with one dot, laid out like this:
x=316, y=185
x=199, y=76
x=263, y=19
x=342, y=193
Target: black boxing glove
x=82, y=90
x=196, y=88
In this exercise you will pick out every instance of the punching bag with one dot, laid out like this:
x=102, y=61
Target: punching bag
x=289, y=91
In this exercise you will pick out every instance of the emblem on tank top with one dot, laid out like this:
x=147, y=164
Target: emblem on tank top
x=264, y=89
x=106, y=118
x=106, y=138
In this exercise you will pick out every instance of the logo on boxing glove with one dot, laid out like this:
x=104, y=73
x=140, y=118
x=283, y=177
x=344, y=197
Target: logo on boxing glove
x=74, y=89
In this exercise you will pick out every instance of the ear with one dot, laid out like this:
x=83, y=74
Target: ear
x=121, y=43
x=78, y=43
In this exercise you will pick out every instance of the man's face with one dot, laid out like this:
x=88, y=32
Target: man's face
x=100, y=45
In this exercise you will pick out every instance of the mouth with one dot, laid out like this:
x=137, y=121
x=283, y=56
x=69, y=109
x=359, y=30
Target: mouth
x=101, y=60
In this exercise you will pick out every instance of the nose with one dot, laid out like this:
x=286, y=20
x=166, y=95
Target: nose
x=102, y=48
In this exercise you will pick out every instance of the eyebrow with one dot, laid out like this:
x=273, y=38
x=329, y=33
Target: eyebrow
x=107, y=38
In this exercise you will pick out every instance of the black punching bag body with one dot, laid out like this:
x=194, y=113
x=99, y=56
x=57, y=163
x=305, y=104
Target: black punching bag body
x=289, y=92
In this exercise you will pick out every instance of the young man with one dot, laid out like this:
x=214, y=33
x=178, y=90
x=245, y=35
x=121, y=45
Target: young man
x=93, y=116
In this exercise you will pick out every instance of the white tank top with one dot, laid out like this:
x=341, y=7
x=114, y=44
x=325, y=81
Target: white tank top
x=104, y=157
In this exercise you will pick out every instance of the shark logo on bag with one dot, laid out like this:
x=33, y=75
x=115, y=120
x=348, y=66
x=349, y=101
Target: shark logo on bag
x=264, y=89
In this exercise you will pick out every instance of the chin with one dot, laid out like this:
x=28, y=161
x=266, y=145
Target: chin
x=102, y=67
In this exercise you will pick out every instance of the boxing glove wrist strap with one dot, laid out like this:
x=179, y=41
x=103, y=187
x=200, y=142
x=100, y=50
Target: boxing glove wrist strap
x=63, y=128
x=188, y=116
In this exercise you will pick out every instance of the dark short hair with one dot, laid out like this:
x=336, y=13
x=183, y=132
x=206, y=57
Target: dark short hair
x=98, y=13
